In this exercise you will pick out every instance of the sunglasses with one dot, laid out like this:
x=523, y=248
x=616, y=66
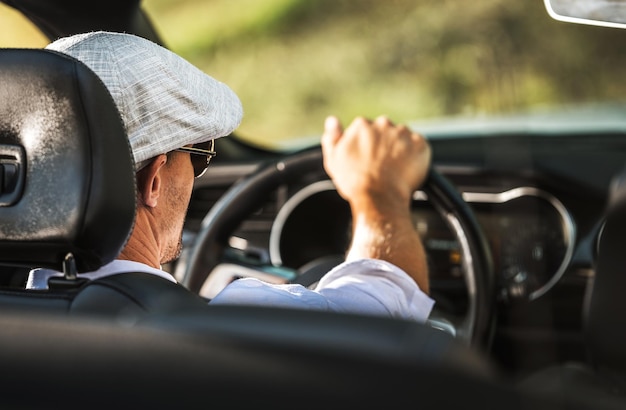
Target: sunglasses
x=201, y=155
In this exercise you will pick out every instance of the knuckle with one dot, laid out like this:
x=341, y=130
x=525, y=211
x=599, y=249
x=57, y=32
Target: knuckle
x=383, y=120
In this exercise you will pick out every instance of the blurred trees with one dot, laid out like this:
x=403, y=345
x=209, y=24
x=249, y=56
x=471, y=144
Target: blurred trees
x=293, y=62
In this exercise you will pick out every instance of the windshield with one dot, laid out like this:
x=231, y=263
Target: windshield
x=293, y=62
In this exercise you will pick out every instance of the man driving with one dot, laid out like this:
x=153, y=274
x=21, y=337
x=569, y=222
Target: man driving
x=173, y=113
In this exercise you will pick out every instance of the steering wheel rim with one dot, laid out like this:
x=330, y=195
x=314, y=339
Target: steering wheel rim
x=248, y=194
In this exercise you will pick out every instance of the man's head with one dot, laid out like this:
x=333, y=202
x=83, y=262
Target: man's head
x=172, y=112
x=165, y=101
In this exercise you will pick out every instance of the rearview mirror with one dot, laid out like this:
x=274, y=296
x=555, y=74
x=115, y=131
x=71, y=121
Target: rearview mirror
x=607, y=13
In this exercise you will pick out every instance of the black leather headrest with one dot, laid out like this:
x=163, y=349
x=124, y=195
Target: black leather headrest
x=67, y=180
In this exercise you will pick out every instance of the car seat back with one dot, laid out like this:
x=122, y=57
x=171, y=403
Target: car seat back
x=67, y=186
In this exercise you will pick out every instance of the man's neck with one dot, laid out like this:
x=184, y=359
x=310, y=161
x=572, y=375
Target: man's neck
x=142, y=246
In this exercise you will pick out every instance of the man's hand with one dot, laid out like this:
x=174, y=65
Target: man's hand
x=375, y=159
x=376, y=166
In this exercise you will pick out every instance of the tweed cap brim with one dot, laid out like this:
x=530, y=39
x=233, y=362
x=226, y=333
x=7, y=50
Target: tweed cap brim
x=165, y=102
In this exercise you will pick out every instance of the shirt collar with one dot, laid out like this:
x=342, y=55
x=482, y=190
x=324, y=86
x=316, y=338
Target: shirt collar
x=38, y=278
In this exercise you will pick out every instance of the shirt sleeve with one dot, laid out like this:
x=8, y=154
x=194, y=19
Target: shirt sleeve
x=367, y=286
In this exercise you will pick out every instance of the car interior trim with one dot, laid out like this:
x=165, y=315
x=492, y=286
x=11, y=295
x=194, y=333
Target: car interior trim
x=569, y=228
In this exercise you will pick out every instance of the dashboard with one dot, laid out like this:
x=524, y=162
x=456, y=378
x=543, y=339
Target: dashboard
x=531, y=235
x=540, y=210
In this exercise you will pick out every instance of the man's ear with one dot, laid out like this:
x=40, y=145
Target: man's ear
x=149, y=181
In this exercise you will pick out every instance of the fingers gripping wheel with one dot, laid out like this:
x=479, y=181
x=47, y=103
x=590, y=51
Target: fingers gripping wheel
x=247, y=196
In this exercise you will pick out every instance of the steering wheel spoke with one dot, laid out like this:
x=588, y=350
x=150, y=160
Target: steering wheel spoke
x=235, y=265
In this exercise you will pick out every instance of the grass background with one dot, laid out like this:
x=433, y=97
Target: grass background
x=292, y=62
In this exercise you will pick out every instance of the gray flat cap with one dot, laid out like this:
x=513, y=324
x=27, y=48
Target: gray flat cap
x=165, y=101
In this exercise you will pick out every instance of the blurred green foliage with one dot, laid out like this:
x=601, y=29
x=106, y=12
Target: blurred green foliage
x=292, y=62
x=16, y=31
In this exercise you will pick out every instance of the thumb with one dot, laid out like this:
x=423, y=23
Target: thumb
x=332, y=131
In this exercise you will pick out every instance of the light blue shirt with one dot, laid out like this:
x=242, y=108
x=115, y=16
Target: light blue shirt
x=368, y=286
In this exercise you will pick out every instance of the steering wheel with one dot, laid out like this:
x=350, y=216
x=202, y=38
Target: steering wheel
x=247, y=195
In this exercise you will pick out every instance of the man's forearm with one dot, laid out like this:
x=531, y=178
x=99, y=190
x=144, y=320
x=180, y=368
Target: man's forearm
x=383, y=233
